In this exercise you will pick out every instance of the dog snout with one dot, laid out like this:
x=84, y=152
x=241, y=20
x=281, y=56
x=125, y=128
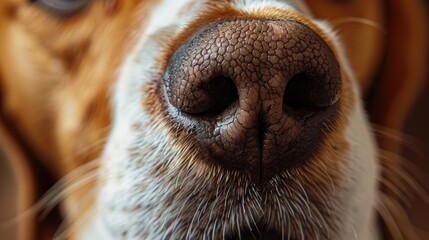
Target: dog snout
x=255, y=94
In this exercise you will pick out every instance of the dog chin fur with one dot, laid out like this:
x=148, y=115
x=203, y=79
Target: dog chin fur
x=127, y=200
x=131, y=193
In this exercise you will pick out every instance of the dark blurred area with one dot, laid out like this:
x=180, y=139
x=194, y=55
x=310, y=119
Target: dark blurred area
x=416, y=150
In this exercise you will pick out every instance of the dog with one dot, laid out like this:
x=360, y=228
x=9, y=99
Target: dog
x=229, y=119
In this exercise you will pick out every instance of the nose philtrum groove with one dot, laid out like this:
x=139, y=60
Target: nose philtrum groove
x=256, y=92
x=261, y=132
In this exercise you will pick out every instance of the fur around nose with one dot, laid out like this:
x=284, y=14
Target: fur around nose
x=255, y=94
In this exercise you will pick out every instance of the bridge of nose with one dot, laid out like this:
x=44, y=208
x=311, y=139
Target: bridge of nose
x=259, y=73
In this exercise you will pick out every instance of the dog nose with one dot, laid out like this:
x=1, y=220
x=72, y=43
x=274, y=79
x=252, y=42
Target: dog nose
x=257, y=95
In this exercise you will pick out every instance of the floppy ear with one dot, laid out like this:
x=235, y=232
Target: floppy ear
x=386, y=46
x=403, y=73
x=385, y=42
x=17, y=175
x=17, y=188
x=23, y=180
x=399, y=82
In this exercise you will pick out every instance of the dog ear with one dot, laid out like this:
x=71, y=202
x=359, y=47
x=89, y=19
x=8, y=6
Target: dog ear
x=18, y=188
x=402, y=74
x=386, y=46
x=23, y=180
x=385, y=42
x=18, y=185
x=395, y=88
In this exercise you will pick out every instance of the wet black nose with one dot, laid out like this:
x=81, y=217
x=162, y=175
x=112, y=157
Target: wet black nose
x=256, y=94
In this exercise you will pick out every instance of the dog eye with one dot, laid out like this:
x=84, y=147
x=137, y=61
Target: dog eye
x=62, y=7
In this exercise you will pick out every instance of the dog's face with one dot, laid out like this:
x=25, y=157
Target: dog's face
x=224, y=119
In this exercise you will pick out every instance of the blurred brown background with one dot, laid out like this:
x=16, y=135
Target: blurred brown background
x=417, y=126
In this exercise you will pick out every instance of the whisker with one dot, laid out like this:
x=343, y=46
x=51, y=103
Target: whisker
x=409, y=142
x=398, y=185
x=388, y=219
x=395, y=218
x=66, y=228
x=397, y=192
x=412, y=185
x=67, y=190
x=71, y=180
x=357, y=20
x=53, y=195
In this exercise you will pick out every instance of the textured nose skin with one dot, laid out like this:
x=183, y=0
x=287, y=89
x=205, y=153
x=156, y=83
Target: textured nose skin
x=256, y=94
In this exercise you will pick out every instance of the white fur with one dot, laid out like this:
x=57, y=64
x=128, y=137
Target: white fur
x=362, y=174
x=363, y=168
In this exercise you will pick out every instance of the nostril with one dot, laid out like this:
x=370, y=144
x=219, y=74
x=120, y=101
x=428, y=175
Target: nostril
x=196, y=84
x=221, y=92
x=308, y=91
x=295, y=92
x=204, y=96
